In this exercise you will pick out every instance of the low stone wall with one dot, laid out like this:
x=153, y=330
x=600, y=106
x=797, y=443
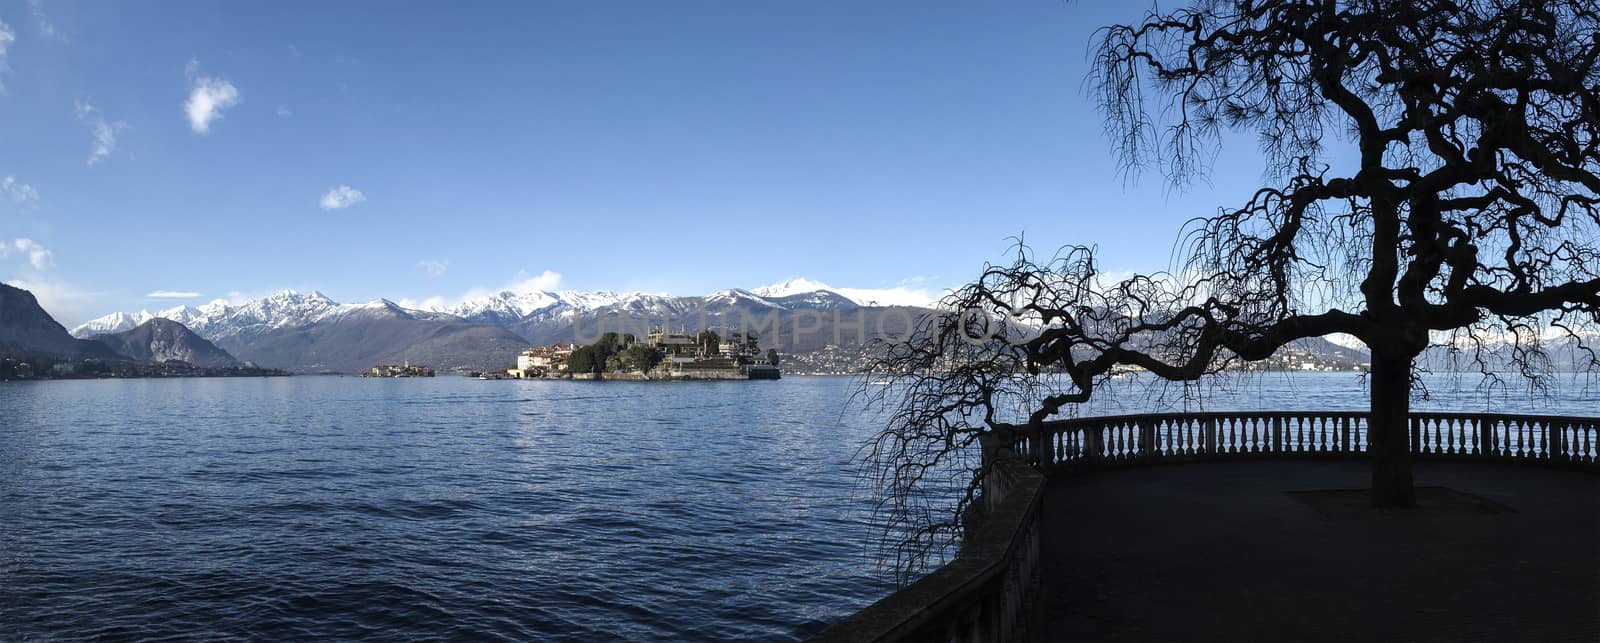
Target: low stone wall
x=985, y=593
x=659, y=376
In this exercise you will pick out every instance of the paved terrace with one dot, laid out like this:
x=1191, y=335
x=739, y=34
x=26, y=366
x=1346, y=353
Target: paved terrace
x=1232, y=551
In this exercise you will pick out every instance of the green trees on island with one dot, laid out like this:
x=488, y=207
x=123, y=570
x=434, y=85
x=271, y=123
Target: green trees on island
x=641, y=358
x=595, y=357
x=617, y=352
x=614, y=352
x=709, y=341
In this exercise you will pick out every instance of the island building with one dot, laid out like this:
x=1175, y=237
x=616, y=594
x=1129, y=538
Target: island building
x=704, y=356
x=398, y=370
x=541, y=361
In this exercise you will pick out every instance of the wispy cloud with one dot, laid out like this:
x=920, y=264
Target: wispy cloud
x=547, y=280
x=434, y=267
x=65, y=302
x=523, y=282
x=7, y=36
x=38, y=256
x=911, y=291
x=208, y=96
x=340, y=197
x=105, y=132
x=284, y=111
x=46, y=28
x=172, y=294
x=19, y=192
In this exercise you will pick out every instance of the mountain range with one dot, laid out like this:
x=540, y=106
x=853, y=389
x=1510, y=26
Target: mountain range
x=310, y=332
x=25, y=328
x=162, y=340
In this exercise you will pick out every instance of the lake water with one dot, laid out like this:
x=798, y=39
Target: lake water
x=317, y=507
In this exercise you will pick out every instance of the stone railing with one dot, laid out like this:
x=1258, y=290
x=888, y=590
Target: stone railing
x=981, y=595
x=1175, y=437
x=984, y=594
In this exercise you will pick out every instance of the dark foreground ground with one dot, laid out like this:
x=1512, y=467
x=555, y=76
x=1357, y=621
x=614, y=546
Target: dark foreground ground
x=1238, y=551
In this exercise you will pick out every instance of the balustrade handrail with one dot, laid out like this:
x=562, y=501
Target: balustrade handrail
x=1151, y=437
x=980, y=596
x=1094, y=419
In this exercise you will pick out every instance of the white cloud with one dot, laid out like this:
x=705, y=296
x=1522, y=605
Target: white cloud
x=897, y=296
x=38, y=256
x=430, y=304
x=284, y=111
x=547, y=280
x=908, y=293
x=522, y=283
x=340, y=197
x=64, y=301
x=7, y=36
x=172, y=294
x=207, y=98
x=46, y=28
x=19, y=192
x=105, y=133
x=434, y=267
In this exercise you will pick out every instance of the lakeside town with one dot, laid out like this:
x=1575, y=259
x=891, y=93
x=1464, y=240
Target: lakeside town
x=49, y=367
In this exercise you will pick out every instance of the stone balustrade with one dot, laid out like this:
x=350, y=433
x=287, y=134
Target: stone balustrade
x=984, y=593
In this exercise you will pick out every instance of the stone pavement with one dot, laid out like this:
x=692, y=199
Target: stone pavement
x=1230, y=551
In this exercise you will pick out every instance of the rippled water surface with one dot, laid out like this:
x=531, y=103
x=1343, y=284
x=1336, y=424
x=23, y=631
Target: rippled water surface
x=345, y=507
x=316, y=507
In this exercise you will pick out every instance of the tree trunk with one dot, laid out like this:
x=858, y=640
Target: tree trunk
x=1388, y=431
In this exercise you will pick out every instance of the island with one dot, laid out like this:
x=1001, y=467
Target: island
x=659, y=356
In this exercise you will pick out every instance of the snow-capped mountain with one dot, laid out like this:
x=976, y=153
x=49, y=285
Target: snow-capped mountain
x=737, y=296
x=796, y=286
x=509, y=307
x=897, y=296
x=160, y=340
x=220, y=320
x=289, y=309
x=312, y=332
x=512, y=305
x=113, y=323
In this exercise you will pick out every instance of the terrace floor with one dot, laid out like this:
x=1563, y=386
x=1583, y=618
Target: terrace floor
x=1230, y=551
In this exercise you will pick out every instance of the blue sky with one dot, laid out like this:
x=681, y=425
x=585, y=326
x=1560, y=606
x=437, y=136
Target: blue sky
x=678, y=147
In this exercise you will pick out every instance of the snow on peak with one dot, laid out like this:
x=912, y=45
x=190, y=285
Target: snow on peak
x=897, y=296
x=796, y=286
x=113, y=323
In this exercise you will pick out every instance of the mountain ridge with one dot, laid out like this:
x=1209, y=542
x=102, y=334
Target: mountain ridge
x=26, y=328
x=161, y=340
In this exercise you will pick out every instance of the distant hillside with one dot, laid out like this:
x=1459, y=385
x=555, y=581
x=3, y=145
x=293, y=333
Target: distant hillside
x=364, y=335
x=161, y=340
x=795, y=324
x=312, y=333
x=25, y=328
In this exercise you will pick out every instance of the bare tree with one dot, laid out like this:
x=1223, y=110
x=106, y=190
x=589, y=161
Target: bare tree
x=1468, y=219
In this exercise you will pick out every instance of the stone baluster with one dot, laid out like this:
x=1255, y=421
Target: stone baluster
x=1147, y=440
x=1486, y=436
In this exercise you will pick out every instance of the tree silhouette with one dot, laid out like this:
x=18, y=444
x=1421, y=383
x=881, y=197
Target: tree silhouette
x=1468, y=219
